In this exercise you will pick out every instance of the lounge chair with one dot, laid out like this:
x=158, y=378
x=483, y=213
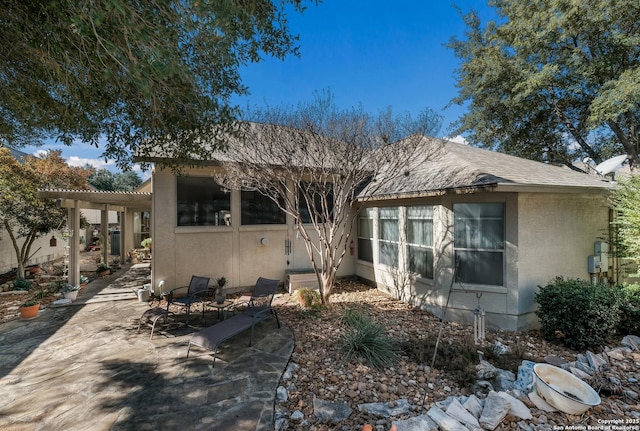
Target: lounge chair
x=258, y=309
x=196, y=289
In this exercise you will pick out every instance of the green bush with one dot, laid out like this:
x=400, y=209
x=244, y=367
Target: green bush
x=309, y=298
x=364, y=340
x=21, y=284
x=578, y=313
x=630, y=310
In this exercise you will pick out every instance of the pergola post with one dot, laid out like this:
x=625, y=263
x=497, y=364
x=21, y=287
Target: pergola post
x=73, y=223
x=104, y=231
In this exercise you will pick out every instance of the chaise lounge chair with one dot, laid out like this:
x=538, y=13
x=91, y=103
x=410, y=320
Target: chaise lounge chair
x=258, y=309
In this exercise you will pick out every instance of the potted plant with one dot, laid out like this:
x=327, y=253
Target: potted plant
x=103, y=269
x=221, y=283
x=70, y=292
x=29, y=309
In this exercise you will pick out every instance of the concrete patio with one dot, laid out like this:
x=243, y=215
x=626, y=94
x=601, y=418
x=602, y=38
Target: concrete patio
x=84, y=366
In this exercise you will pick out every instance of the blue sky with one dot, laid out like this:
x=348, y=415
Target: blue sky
x=375, y=53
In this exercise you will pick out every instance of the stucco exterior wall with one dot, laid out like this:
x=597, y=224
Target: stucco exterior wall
x=546, y=235
x=557, y=233
x=239, y=253
x=41, y=251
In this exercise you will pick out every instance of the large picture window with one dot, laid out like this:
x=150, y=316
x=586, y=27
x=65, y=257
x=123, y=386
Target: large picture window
x=420, y=240
x=202, y=202
x=259, y=209
x=365, y=235
x=389, y=236
x=479, y=243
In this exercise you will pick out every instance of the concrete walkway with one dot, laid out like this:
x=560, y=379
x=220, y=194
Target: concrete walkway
x=84, y=366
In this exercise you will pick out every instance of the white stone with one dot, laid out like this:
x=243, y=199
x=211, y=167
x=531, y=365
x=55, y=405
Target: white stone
x=417, y=423
x=462, y=415
x=596, y=361
x=579, y=373
x=486, y=370
x=540, y=403
x=518, y=408
x=444, y=421
x=495, y=410
x=297, y=416
x=282, y=394
x=473, y=406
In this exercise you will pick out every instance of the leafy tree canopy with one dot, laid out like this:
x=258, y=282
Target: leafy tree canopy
x=552, y=79
x=22, y=214
x=626, y=200
x=131, y=71
x=105, y=180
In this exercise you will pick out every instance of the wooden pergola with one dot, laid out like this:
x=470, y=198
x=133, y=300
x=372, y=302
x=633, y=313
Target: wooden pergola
x=125, y=203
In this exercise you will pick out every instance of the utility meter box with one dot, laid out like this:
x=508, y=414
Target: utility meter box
x=593, y=264
x=601, y=247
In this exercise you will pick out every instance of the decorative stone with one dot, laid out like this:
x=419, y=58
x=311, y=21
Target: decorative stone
x=297, y=416
x=518, y=408
x=632, y=341
x=597, y=362
x=495, y=410
x=330, y=412
x=504, y=380
x=631, y=394
x=281, y=424
x=398, y=408
x=617, y=353
x=458, y=412
x=524, y=382
x=444, y=421
x=485, y=370
x=482, y=386
x=417, y=423
x=281, y=394
x=584, y=367
x=500, y=349
x=554, y=360
x=291, y=368
x=540, y=403
x=473, y=406
x=579, y=373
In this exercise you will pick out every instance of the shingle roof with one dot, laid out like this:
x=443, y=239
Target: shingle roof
x=459, y=167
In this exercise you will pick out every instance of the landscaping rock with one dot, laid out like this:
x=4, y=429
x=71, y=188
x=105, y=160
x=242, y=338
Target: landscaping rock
x=458, y=412
x=444, y=421
x=495, y=410
x=517, y=407
x=473, y=406
x=417, y=423
x=330, y=412
x=396, y=408
x=485, y=370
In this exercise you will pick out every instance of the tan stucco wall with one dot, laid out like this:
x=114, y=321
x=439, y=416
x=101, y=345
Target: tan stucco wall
x=235, y=252
x=545, y=235
x=41, y=251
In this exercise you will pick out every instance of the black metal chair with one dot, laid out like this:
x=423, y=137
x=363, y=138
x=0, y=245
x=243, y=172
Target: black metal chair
x=196, y=289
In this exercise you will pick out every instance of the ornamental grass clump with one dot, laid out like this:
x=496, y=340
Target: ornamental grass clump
x=365, y=341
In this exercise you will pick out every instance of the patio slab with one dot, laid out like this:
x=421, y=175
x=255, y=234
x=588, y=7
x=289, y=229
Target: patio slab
x=84, y=366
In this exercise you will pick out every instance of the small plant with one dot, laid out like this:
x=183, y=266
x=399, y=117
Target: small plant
x=146, y=243
x=21, y=284
x=365, y=340
x=577, y=313
x=30, y=303
x=102, y=267
x=309, y=299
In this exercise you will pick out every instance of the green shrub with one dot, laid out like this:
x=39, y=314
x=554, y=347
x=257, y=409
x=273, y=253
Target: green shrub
x=630, y=310
x=309, y=298
x=364, y=340
x=21, y=284
x=578, y=313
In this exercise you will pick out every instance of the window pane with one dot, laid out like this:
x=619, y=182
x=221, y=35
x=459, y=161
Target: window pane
x=365, y=228
x=479, y=243
x=319, y=192
x=389, y=254
x=479, y=267
x=389, y=230
x=421, y=261
x=365, y=249
x=202, y=202
x=259, y=209
x=420, y=232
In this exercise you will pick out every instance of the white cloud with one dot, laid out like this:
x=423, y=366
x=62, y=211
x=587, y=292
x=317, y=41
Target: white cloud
x=459, y=139
x=82, y=161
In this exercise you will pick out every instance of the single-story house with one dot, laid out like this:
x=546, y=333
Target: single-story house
x=469, y=228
